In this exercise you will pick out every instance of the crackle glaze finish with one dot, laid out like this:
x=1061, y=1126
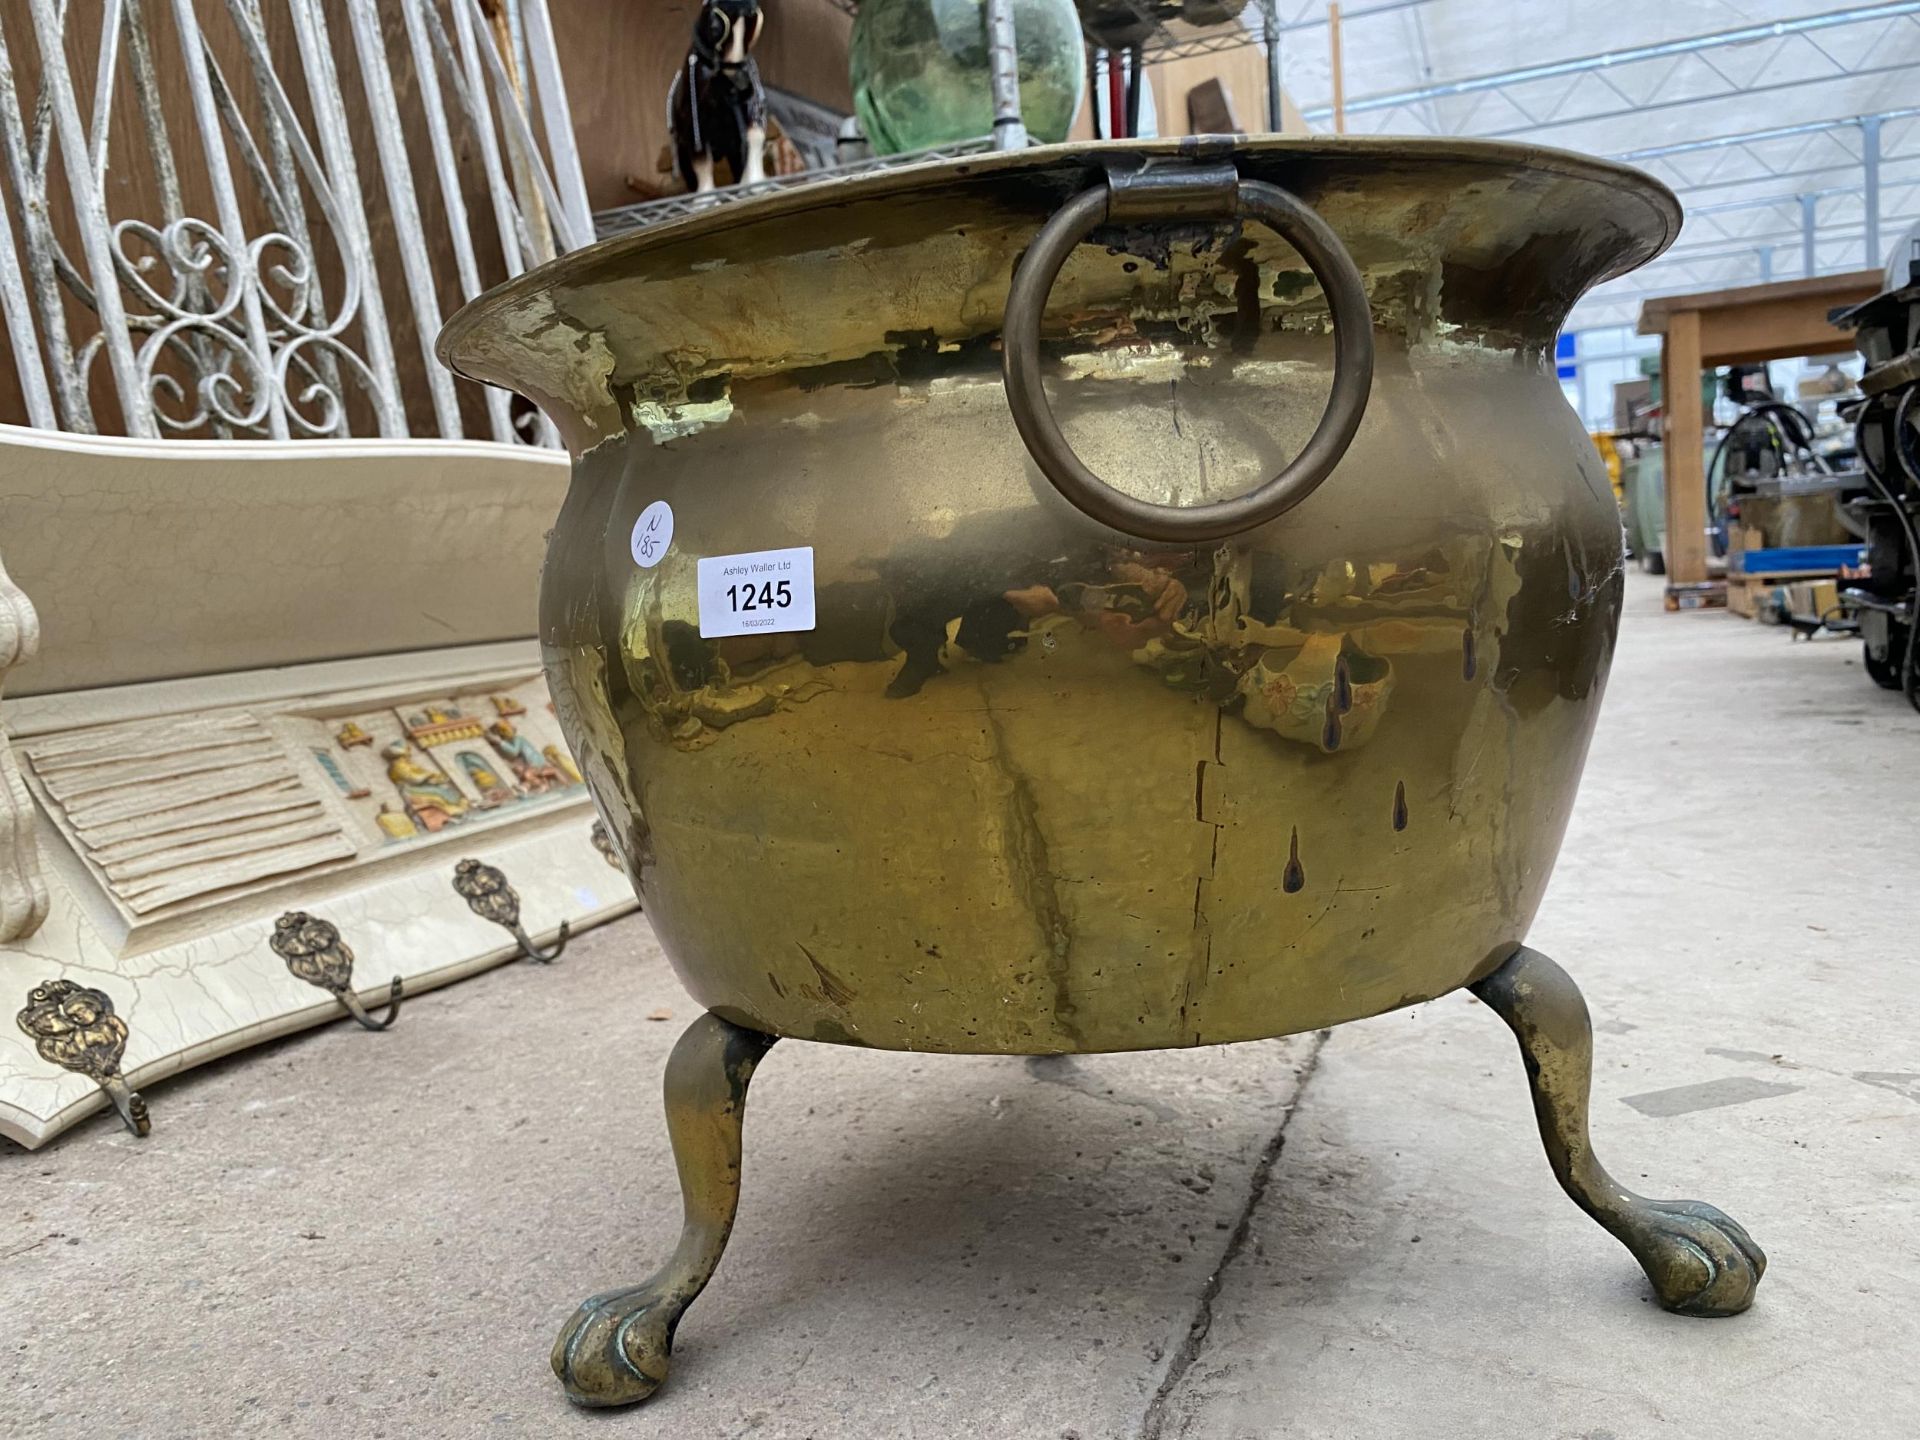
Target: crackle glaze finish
x=1031, y=785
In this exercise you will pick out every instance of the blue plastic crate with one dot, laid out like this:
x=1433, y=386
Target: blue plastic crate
x=1790, y=558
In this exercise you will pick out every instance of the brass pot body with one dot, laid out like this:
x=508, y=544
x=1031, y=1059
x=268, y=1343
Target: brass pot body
x=1031, y=785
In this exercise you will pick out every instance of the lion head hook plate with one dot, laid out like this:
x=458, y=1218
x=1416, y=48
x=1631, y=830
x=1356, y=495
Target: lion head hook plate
x=75, y=1027
x=485, y=889
x=315, y=953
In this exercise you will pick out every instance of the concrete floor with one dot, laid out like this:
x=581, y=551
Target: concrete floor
x=353, y=1235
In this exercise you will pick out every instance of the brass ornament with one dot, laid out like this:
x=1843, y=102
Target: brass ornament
x=489, y=895
x=315, y=953
x=1190, y=657
x=74, y=1027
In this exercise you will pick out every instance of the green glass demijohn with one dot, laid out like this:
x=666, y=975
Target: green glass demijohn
x=920, y=76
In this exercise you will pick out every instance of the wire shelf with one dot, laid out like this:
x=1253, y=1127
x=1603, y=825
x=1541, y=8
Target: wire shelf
x=1176, y=40
x=1172, y=41
x=645, y=213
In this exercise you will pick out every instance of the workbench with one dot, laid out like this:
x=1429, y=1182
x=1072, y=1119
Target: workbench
x=1744, y=326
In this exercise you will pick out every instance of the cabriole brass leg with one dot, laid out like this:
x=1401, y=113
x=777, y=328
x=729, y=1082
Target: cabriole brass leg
x=1700, y=1262
x=614, y=1350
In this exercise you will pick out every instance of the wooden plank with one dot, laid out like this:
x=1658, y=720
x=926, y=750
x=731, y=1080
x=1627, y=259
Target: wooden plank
x=1848, y=288
x=1338, y=69
x=1680, y=366
x=1774, y=329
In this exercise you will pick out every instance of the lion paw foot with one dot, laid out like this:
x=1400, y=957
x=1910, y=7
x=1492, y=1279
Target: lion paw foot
x=615, y=1348
x=1701, y=1261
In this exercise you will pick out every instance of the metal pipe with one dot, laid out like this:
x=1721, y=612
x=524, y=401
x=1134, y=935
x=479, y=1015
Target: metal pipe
x=1809, y=225
x=226, y=204
x=497, y=21
x=470, y=88
x=389, y=140
x=1270, y=36
x=1666, y=49
x=1754, y=137
x=556, y=116
x=146, y=90
x=1813, y=173
x=105, y=66
x=15, y=303
x=26, y=166
x=1390, y=8
x=452, y=201
x=343, y=180
x=1870, y=178
x=1652, y=107
x=1763, y=202
x=292, y=217
x=91, y=211
x=1136, y=78
x=1003, y=67
x=543, y=203
x=18, y=310
x=1743, y=245
x=1319, y=21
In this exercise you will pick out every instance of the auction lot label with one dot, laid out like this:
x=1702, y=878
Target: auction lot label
x=760, y=593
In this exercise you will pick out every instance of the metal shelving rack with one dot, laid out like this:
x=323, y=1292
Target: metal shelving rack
x=1177, y=41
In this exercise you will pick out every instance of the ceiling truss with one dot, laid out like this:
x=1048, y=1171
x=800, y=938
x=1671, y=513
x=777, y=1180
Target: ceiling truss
x=1775, y=203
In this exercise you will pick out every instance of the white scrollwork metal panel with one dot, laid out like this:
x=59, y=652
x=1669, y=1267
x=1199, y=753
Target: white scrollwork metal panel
x=261, y=311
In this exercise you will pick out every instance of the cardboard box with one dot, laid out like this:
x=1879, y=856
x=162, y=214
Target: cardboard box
x=1762, y=600
x=1813, y=599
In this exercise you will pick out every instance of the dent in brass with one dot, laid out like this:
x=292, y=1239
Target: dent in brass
x=615, y=1349
x=1700, y=1261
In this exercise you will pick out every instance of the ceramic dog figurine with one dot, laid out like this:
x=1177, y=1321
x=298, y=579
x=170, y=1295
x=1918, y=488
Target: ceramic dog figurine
x=716, y=109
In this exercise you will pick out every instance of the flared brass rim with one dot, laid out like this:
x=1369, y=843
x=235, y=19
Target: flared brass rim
x=1658, y=202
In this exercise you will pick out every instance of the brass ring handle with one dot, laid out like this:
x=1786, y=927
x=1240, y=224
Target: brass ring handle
x=1165, y=199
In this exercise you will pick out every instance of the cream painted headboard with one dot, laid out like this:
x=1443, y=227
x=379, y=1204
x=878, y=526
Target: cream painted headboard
x=158, y=560
x=248, y=679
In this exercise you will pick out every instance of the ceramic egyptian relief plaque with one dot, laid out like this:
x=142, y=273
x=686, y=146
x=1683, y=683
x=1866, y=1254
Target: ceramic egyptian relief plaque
x=181, y=811
x=409, y=771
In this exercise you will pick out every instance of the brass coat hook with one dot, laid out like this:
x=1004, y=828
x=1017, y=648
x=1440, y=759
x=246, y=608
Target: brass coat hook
x=315, y=953
x=75, y=1027
x=488, y=895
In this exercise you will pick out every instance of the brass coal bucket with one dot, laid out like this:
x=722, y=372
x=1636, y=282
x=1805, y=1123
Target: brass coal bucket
x=1092, y=598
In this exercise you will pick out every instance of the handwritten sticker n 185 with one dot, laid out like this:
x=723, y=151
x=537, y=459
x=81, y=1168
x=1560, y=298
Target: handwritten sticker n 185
x=652, y=534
